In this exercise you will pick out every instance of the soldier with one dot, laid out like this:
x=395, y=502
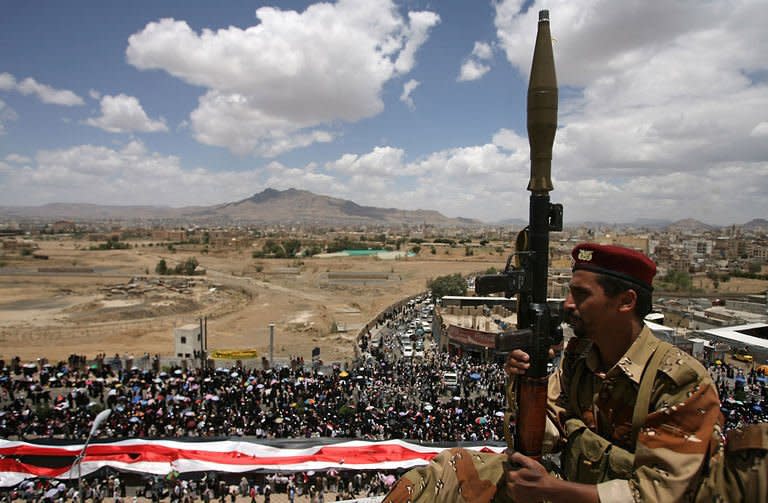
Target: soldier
x=635, y=414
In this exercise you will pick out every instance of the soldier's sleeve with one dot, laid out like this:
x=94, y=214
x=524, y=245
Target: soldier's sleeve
x=455, y=475
x=673, y=443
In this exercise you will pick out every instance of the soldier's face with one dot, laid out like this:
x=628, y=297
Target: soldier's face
x=588, y=309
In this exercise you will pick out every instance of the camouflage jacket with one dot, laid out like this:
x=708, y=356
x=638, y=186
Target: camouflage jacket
x=673, y=441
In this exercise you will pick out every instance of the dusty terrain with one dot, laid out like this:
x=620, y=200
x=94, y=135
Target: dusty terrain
x=87, y=302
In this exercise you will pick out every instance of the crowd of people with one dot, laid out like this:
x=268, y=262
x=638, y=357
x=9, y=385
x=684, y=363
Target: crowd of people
x=303, y=486
x=375, y=400
x=743, y=395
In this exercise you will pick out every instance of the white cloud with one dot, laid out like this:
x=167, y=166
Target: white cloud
x=651, y=110
x=291, y=76
x=44, y=93
x=7, y=82
x=761, y=130
x=482, y=50
x=94, y=94
x=6, y=114
x=17, y=159
x=408, y=88
x=124, y=114
x=474, y=67
x=127, y=175
x=472, y=70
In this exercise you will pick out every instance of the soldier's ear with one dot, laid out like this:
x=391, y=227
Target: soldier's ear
x=627, y=301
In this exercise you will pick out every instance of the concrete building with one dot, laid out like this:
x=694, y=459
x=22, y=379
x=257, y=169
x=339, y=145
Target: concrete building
x=187, y=340
x=470, y=325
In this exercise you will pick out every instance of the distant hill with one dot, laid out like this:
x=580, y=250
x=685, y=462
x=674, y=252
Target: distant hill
x=270, y=206
x=756, y=225
x=294, y=206
x=690, y=225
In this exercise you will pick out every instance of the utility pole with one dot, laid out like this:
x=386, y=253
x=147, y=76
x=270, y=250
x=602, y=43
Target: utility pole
x=272, y=345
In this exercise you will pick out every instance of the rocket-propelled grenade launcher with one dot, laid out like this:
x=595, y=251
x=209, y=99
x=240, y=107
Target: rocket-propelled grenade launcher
x=538, y=323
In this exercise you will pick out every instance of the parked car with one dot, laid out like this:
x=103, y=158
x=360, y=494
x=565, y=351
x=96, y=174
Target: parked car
x=743, y=356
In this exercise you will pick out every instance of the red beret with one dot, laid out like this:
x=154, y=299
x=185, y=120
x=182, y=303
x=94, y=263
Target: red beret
x=623, y=263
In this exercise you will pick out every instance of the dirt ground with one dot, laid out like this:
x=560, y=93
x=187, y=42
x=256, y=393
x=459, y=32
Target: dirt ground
x=88, y=302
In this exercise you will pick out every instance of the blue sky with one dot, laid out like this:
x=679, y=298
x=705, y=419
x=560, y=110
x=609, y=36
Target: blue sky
x=411, y=104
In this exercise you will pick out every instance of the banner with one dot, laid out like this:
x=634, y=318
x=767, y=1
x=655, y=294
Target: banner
x=25, y=460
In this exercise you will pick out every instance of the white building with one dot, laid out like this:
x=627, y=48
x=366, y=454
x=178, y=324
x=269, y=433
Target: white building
x=187, y=340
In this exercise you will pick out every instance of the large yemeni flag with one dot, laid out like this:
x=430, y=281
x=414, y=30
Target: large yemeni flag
x=52, y=459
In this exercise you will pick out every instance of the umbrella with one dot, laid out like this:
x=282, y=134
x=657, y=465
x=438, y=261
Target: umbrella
x=134, y=419
x=475, y=376
x=309, y=401
x=499, y=413
x=343, y=373
x=481, y=420
x=279, y=420
x=428, y=407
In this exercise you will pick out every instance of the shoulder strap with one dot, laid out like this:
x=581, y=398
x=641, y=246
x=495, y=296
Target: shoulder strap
x=646, y=387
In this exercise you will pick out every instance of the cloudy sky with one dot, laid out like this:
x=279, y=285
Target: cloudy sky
x=404, y=103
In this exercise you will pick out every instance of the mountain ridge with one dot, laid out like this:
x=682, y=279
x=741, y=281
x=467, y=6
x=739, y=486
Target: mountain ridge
x=297, y=206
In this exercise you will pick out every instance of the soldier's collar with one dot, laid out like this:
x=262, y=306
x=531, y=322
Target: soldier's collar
x=632, y=363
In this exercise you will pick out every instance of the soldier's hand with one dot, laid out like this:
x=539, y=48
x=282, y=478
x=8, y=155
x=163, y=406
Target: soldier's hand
x=517, y=363
x=529, y=480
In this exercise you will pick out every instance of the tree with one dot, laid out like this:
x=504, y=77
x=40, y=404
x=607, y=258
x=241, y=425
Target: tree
x=273, y=248
x=681, y=280
x=452, y=284
x=291, y=247
x=416, y=249
x=187, y=267
x=161, y=267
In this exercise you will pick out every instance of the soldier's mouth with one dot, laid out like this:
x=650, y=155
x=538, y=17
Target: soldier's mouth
x=571, y=318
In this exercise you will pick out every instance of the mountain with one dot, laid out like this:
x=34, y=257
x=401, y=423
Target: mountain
x=690, y=225
x=270, y=206
x=301, y=206
x=756, y=225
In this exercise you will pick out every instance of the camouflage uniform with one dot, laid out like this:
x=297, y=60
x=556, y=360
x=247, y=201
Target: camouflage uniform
x=596, y=409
